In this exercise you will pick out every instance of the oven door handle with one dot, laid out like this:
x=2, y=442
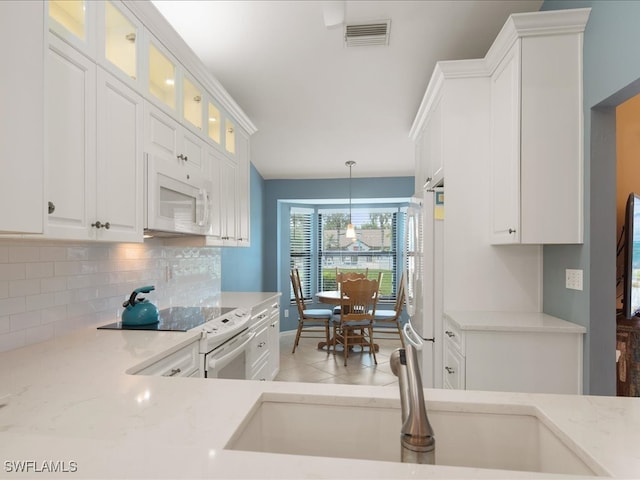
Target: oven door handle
x=226, y=359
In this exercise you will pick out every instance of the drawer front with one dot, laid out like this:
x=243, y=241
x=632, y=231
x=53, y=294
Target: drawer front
x=454, y=370
x=261, y=372
x=183, y=363
x=259, y=346
x=453, y=335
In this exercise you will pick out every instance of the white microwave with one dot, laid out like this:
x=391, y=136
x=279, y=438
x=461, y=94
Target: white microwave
x=177, y=201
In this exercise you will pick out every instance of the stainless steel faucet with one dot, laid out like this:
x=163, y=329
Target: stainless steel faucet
x=416, y=437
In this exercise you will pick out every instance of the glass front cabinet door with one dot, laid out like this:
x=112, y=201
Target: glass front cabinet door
x=162, y=76
x=72, y=21
x=121, y=39
x=192, y=104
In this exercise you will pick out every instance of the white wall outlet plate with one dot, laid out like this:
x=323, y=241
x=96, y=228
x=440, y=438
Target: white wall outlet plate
x=573, y=279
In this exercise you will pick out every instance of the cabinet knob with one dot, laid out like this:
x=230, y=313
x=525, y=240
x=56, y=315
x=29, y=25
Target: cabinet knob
x=449, y=370
x=450, y=334
x=512, y=230
x=99, y=224
x=261, y=344
x=51, y=207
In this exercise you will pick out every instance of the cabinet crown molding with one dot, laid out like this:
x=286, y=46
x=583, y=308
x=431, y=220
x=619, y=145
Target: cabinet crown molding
x=444, y=70
x=519, y=25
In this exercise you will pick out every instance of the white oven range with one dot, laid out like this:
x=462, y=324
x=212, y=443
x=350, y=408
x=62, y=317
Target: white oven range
x=224, y=344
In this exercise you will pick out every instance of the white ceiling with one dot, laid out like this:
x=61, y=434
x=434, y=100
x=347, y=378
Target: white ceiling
x=316, y=103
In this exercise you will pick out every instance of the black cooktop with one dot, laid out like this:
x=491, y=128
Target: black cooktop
x=176, y=319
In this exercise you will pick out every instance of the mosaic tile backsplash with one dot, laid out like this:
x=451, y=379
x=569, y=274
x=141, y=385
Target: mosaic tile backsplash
x=49, y=289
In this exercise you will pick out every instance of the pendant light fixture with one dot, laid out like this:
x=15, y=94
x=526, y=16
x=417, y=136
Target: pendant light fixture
x=351, y=231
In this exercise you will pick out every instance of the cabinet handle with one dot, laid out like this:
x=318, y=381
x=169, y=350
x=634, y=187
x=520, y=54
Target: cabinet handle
x=450, y=334
x=99, y=224
x=274, y=324
x=182, y=157
x=449, y=370
x=261, y=344
x=51, y=207
x=173, y=372
x=512, y=230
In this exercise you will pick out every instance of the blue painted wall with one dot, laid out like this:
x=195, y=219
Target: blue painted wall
x=242, y=267
x=611, y=68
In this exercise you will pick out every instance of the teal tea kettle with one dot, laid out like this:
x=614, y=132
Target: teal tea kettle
x=138, y=310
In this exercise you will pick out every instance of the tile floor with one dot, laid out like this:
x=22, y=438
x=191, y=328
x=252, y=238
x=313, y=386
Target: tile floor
x=311, y=365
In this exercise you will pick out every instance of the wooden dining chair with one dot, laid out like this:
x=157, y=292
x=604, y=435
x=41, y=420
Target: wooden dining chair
x=388, y=321
x=310, y=320
x=354, y=325
x=344, y=276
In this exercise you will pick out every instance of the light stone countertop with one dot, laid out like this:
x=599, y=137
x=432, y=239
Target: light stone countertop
x=512, y=322
x=70, y=400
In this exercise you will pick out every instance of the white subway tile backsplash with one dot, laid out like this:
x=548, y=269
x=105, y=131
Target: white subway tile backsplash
x=39, y=270
x=12, y=271
x=53, y=284
x=5, y=324
x=54, y=314
x=53, y=253
x=21, y=321
x=11, y=306
x=38, y=302
x=23, y=254
x=22, y=288
x=51, y=289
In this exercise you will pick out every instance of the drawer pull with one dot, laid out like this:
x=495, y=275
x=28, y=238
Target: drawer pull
x=450, y=334
x=173, y=372
x=450, y=370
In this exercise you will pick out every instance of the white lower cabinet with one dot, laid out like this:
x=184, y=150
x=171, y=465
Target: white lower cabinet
x=264, y=352
x=184, y=362
x=515, y=352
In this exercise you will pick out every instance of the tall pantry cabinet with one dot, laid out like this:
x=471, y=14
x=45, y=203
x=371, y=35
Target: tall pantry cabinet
x=21, y=119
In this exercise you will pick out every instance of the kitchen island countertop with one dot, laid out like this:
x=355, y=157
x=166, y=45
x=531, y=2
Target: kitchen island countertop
x=70, y=401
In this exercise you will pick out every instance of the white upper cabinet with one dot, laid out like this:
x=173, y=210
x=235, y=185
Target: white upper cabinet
x=71, y=145
x=537, y=129
x=22, y=205
x=171, y=141
x=243, y=206
x=427, y=134
x=119, y=178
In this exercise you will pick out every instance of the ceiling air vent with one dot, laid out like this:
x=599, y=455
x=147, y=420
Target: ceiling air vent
x=364, y=34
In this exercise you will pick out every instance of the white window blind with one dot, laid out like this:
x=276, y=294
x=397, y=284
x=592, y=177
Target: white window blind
x=301, y=247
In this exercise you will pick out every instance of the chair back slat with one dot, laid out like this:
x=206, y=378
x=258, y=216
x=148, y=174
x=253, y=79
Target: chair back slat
x=358, y=298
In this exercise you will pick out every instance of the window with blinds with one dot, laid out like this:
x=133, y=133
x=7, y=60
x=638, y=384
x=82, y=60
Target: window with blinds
x=374, y=250
x=300, y=247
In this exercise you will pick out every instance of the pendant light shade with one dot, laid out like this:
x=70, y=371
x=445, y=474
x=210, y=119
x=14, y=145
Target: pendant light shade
x=351, y=231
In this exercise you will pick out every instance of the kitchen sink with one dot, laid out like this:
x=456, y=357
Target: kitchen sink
x=505, y=437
